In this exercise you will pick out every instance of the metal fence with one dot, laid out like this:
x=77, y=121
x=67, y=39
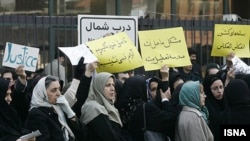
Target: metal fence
x=49, y=32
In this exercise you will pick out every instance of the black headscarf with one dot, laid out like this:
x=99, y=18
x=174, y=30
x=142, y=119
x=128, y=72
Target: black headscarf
x=245, y=77
x=211, y=101
x=237, y=93
x=175, y=97
x=134, y=92
x=134, y=88
x=10, y=122
x=238, y=110
x=211, y=66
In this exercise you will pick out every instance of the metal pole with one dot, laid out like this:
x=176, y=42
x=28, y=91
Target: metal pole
x=225, y=7
x=51, y=8
x=173, y=9
x=118, y=7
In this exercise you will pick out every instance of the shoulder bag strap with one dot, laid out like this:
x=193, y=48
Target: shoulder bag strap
x=144, y=117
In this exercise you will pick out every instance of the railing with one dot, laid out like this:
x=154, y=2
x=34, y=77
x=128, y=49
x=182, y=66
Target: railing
x=49, y=32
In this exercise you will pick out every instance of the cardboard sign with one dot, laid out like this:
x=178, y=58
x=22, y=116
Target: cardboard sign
x=116, y=53
x=75, y=53
x=16, y=55
x=163, y=46
x=231, y=38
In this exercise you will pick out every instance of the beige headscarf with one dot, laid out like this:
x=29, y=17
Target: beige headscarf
x=97, y=103
x=40, y=99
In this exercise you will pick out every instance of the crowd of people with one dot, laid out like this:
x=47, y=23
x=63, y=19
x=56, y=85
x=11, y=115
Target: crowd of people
x=183, y=104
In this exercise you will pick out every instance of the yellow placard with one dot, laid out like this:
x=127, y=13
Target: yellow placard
x=116, y=53
x=231, y=38
x=163, y=46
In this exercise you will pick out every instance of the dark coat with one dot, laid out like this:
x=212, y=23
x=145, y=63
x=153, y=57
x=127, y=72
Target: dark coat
x=46, y=121
x=21, y=99
x=81, y=94
x=102, y=129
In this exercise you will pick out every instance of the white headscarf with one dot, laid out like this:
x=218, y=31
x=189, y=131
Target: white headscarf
x=97, y=103
x=40, y=99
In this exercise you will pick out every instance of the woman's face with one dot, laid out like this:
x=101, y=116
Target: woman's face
x=109, y=89
x=153, y=89
x=213, y=71
x=217, y=89
x=53, y=91
x=202, y=96
x=8, y=97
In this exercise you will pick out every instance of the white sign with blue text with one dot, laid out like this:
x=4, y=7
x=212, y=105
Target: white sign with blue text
x=16, y=55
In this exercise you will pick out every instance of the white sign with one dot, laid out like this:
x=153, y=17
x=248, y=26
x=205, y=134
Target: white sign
x=16, y=55
x=30, y=135
x=75, y=53
x=91, y=27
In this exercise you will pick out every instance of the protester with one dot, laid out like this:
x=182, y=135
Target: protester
x=152, y=84
x=174, y=80
x=56, y=67
x=20, y=99
x=162, y=81
x=215, y=102
x=187, y=74
x=99, y=113
x=237, y=95
x=51, y=114
x=11, y=125
x=193, y=120
x=211, y=68
x=9, y=74
x=130, y=105
x=193, y=57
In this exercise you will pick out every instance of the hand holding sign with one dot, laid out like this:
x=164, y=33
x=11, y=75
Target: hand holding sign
x=21, y=72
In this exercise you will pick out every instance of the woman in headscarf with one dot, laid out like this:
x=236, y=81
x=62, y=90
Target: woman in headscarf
x=193, y=120
x=99, y=113
x=11, y=125
x=211, y=68
x=159, y=117
x=215, y=102
x=50, y=112
x=237, y=96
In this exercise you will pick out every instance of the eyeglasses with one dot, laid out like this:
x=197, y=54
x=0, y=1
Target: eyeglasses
x=216, y=88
